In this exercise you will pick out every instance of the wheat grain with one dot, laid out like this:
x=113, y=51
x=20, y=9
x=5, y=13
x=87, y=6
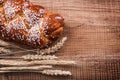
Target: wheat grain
x=41, y=67
x=41, y=62
x=56, y=73
x=38, y=57
x=53, y=48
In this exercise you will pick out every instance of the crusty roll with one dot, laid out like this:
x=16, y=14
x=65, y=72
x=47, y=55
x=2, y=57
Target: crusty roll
x=23, y=22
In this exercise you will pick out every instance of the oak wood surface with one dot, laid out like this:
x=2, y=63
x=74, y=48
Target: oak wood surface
x=93, y=30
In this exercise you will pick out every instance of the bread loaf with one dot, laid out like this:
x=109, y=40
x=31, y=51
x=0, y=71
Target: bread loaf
x=24, y=22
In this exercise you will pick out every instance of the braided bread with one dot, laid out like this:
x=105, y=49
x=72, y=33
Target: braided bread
x=30, y=24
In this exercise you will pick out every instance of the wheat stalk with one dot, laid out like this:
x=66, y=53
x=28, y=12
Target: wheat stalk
x=41, y=62
x=14, y=63
x=54, y=48
x=56, y=73
x=41, y=67
x=38, y=57
x=3, y=43
x=8, y=44
x=4, y=51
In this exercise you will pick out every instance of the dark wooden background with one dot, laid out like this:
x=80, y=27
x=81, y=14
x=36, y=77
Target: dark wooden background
x=93, y=30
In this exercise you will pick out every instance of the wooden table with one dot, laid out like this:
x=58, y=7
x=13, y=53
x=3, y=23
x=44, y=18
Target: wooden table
x=93, y=30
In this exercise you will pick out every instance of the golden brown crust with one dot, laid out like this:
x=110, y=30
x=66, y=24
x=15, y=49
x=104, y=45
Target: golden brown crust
x=30, y=24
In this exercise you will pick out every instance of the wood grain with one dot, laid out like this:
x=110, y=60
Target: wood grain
x=93, y=30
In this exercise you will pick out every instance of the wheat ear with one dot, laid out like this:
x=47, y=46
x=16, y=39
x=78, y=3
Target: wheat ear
x=31, y=57
x=54, y=48
x=36, y=70
x=43, y=51
x=56, y=73
x=41, y=67
x=54, y=62
x=41, y=62
x=38, y=57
